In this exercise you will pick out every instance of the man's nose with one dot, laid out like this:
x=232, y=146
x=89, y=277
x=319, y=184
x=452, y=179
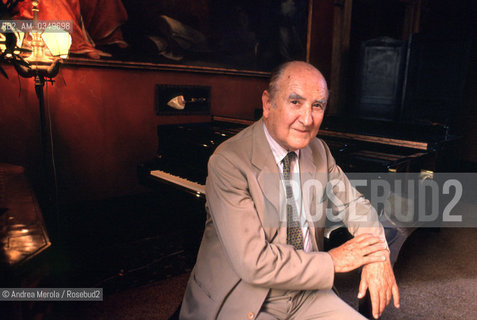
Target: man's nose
x=305, y=115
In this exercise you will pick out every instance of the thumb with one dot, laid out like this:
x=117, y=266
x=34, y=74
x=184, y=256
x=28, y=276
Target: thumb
x=363, y=286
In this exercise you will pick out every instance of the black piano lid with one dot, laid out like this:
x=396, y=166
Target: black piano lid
x=424, y=136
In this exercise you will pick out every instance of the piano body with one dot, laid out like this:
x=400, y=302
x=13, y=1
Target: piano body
x=184, y=149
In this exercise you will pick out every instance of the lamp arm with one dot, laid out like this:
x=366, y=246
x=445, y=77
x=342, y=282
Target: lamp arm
x=25, y=72
x=28, y=71
x=53, y=70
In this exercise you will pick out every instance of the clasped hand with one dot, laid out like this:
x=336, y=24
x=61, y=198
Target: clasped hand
x=371, y=252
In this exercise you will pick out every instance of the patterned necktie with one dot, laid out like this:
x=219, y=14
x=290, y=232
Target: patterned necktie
x=294, y=232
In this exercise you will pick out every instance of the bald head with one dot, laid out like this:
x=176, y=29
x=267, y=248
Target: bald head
x=287, y=68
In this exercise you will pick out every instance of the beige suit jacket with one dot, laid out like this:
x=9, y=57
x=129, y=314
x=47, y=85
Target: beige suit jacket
x=243, y=253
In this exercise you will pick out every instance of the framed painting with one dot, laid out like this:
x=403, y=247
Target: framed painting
x=230, y=36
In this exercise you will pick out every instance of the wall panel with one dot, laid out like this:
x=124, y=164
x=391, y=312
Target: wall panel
x=104, y=123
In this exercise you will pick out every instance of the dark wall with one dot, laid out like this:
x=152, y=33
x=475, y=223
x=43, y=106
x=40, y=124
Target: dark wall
x=468, y=114
x=104, y=124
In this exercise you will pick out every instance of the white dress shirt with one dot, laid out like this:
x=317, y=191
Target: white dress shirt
x=279, y=153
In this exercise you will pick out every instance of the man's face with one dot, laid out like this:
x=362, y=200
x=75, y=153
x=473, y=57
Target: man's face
x=294, y=115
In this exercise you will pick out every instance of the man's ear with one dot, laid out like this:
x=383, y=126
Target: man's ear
x=266, y=103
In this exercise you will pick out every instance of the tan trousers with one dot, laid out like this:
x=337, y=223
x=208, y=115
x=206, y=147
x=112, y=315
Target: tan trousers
x=306, y=305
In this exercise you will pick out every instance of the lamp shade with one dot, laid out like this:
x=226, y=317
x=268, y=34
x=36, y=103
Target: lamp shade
x=57, y=40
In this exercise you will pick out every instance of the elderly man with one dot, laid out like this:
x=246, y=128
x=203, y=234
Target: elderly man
x=261, y=254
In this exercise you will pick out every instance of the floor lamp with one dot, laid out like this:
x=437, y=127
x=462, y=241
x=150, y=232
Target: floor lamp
x=48, y=47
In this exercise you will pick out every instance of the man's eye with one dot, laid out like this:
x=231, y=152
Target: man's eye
x=294, y=102
x=318, y=106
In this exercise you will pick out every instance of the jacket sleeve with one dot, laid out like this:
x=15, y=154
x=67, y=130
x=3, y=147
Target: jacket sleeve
x=348, y=205
x=241, y=233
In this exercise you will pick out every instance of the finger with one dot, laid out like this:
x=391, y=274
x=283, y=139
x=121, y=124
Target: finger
x=382, y=301
x=362, y=236
x=366, y=238
x=375, y=257
x=375, y=303
x=370, y=241
x=395, y=291
x=374, y=248
x=363, y=286
x=388, y=296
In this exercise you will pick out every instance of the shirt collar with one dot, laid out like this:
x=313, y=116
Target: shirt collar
x=278, y=151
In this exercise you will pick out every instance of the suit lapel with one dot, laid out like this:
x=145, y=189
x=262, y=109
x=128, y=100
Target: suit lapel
x=268, y=178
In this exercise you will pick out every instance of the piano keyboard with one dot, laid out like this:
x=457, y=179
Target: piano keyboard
x=196, y=188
